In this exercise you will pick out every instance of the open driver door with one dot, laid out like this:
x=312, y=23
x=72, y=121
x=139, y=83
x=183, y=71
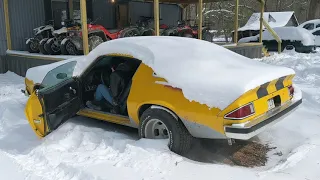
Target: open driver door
x=50, y=107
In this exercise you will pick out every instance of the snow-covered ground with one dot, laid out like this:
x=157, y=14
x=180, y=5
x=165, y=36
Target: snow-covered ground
x=83, y=148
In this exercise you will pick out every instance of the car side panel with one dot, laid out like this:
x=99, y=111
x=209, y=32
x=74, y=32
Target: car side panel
x=146, y=90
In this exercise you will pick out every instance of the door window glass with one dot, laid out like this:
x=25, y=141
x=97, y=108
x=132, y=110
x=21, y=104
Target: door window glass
x=59, y=74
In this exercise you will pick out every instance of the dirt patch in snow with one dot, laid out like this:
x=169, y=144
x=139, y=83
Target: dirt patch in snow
x=241, y=153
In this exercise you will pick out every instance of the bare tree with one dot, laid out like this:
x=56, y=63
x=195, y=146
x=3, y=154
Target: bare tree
x=313, y=8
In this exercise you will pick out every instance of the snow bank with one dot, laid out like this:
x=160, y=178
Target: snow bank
x=292, y=34
x=207, y=73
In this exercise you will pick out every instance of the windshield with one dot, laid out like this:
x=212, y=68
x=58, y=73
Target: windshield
x=59, y=74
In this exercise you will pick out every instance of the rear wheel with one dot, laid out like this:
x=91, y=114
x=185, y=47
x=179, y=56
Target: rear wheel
x=160, y=124
x=52, y=47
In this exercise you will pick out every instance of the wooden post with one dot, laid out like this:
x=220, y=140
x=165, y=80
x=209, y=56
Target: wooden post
x=261, y=20
x=7, y=22
x=71, y=9
x=236, y=22
x=84, y=25
x=200, y=19
x=156, y=17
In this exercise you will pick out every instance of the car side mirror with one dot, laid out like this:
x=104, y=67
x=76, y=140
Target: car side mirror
x=61, y=76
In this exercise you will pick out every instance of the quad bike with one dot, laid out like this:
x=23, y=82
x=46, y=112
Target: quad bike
x=143, y=27
x=97, y=34
x=185, y=30
x=52, y=45
x=40, y=33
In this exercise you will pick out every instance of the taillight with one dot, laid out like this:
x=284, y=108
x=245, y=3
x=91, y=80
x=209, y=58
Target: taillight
x=241, y=113
x=291, y=91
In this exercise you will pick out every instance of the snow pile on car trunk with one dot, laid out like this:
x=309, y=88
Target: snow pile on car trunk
x=292, y=34
x=206, y=73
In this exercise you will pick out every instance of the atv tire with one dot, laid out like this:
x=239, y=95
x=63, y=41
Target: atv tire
x=63, y=46
x=129, y=32
x=32, y=45
x=70, y=47
x=94, y=41
x=180, y=140
x=207, y=36
x=49, y=47
x=41, y=46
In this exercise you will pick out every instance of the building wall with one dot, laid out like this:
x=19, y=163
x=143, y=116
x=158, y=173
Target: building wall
x=3, y=40
x=24, y=17
x=169, y=13
x=104, y=13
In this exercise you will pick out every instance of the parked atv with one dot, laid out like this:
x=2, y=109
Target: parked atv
x=52, y=45
x=97, y=34
x=143, y=27
x=40, y=33
x=185, y=30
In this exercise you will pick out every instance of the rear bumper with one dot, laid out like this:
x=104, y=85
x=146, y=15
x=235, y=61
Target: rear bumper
x=250, y=129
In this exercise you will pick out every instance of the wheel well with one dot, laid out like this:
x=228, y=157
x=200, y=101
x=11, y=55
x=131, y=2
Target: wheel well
x=144, y=107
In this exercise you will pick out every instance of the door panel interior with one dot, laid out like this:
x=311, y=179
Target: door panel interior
x=60, y=102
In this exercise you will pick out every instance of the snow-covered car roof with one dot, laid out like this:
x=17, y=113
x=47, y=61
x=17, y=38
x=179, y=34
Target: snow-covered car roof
x=207, y=73
x=314, y=21
x=285, y=33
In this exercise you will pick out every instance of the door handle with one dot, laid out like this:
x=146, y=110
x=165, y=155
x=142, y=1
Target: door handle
x=73, y=90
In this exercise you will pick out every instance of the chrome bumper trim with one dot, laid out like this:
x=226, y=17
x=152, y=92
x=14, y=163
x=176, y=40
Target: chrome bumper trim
x=250, y=129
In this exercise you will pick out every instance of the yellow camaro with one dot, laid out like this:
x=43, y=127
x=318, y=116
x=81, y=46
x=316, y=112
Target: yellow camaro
x=178, y=88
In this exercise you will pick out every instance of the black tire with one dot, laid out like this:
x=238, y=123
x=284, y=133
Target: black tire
x=32, y=45
x=72, y=48
x=187, y=35
x=63, y=46
x=94, y=41
x=49, y=49
x=41, y=46
x=207, y=36
x=130, y=32
x=180, y=140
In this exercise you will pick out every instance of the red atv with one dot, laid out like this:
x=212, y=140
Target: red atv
x=185, y=30
x=73, y=44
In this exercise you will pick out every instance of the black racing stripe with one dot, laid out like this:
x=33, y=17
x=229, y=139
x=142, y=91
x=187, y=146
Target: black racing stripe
x=262, y=91
x=279, y=84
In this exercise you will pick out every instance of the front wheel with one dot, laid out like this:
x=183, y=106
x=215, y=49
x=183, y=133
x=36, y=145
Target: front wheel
x=52, y=47
x=94, y=41
x=159, y=124
x=41, y=46
x=32, y=45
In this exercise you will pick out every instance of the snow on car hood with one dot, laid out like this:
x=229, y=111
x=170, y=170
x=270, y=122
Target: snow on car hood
x=207, y=73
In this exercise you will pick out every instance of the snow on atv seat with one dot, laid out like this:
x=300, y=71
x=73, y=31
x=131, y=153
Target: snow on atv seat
x=206, y=73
